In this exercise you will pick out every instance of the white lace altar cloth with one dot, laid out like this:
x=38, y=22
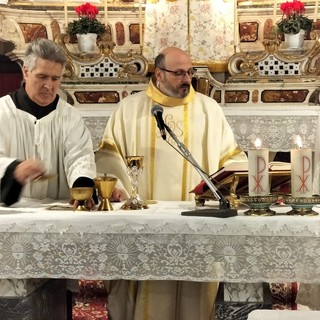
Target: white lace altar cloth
x=157, y=243
x=283, y=315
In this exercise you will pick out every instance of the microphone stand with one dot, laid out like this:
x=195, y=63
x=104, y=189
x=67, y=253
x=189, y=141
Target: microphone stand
x=224, y=210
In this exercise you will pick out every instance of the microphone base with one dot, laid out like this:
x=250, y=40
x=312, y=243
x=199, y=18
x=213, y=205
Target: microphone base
x=216, y=213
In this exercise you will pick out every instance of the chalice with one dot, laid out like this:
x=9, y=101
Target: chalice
x=105, y=186
x=81, y=194
x=134, y=169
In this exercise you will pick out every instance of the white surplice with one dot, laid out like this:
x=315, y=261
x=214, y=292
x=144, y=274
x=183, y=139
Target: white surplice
x=60, y=140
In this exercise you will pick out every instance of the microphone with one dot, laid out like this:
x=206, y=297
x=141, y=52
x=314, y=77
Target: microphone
x=224, y=210
x=157, y=112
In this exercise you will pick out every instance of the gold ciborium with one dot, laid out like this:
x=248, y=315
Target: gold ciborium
x=105, y=186
x=81, y=194
x=134, y=169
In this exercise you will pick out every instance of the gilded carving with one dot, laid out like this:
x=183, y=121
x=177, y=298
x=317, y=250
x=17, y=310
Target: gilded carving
x=275, y=63
x=108, y=63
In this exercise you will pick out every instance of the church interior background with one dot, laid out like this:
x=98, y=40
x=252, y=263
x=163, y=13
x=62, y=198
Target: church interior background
x=265, y=89
x=231, y=43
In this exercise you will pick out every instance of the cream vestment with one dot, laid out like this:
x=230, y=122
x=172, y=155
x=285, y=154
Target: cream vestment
x=199, y=123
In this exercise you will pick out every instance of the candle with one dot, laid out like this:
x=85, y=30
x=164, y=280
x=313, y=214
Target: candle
x=65, y=8
x=105, y=13
x=316, y=10
x=275, y=12
x=258, y=171
x=236, y=26
x=140, y=23
x=301, y=171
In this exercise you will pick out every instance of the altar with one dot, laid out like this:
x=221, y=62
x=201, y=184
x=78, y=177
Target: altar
x=157, y=243
x=42, y=240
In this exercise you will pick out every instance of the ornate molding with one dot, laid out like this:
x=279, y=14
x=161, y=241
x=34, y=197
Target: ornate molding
x=277, y=64
x=93, y=67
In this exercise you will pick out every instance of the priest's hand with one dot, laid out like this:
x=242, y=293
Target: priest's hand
x=118, y=195
x=28, y=170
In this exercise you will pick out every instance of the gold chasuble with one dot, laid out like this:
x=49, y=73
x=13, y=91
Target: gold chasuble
x=197, y=121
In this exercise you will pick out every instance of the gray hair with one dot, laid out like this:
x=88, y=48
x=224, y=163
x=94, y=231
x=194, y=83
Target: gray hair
x=44, y=49
x=159, y=61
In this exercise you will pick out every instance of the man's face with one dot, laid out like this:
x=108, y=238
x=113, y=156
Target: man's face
x=175, y=84
x=177, y=87
x=43, y=81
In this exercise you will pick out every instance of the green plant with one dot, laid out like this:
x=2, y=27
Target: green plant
x=293, y=18
x=87, y=22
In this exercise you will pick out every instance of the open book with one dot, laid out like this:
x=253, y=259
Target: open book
x=243, y=166
x=225, y=176
x=279, y=166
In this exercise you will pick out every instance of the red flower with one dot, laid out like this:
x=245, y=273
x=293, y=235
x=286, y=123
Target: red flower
x=87, y=22
x=87, y=10
x=292, y=8
x=293, y=18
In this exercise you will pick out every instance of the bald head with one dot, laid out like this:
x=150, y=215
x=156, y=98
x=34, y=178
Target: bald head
x=172, y=57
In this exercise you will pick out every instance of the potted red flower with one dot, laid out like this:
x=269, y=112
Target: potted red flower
x=294, y=22
x=87, y=26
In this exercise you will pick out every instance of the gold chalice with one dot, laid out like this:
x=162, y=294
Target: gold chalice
x=134, y=169
x=105, y=186
x=81, y=194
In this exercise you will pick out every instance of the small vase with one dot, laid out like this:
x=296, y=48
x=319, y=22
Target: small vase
x=87, y=43
x=294, y=41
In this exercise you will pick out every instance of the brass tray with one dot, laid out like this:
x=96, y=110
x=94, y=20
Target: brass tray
x=301, y=205
x=259, y=206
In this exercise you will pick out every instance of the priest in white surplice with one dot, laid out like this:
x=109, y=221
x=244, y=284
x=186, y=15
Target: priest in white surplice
x=201, y=126
x=40, y=133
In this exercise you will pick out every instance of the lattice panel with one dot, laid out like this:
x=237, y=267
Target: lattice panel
x=273, y=67
x=105, y=68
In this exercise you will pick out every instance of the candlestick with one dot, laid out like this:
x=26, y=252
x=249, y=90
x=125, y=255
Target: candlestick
x=274, y=12
x=105, y=13
x=65, y=8
x=140, y=22
x=316, y=10
x=236, y=26
x=301, y=172
x=258, y=171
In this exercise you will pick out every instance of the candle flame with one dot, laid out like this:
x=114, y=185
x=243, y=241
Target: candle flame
x=258, y=143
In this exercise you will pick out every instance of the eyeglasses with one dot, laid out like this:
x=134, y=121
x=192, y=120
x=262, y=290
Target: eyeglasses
x=181, y=73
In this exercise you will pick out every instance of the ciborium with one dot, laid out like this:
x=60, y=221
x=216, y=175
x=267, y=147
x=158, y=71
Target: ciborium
x=134, y=169
x=81, y=194
x=105, y=186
